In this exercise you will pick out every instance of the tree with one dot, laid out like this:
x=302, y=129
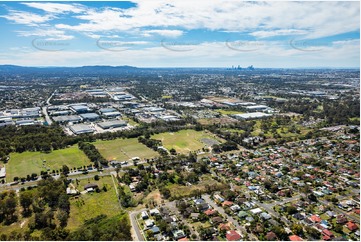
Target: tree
x=172, y=151
x=26, y=199
x=10, y=208
x=291, y=210
x=62, y=216
x=96, y=177
x=65, y=170
x=165, y=192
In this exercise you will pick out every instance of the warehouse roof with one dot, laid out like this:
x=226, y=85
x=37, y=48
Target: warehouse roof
x=89, y=116
x=112, y=124
x=251, y=115
x=67, y=118
x=81, y=129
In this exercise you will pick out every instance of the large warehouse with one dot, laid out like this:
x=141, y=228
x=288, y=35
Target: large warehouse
x=112, y=124
x=254, y=115
x=67, y=119
x=81, y=129
x=89, y=116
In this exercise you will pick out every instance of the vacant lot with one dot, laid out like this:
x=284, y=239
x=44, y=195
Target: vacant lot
x=90, y=205
x=123, y=149
x=185, y=141
x=178, y=191
x=26, y=163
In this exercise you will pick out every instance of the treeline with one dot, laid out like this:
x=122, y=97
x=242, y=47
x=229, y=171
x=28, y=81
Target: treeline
x=226, y=146
x=32, y=138
x=48, y=138
x=150, y=143
x=92, y=153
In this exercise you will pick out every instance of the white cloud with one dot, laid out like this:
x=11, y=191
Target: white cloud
x=56, y=7
x=163, y=32
x=206, y=54
x=26, y=18
x=50, y=34
x=318, y=18
x=279, y=32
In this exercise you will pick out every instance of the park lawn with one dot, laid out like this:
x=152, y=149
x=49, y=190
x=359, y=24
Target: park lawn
x=123, y=149
x=90, y=205
x=26, y=163
x=185, y=141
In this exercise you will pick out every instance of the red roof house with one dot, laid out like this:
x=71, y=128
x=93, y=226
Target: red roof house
x=233, y=236
x=351, y=226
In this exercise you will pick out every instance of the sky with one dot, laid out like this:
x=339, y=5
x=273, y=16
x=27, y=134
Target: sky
x=181, y=33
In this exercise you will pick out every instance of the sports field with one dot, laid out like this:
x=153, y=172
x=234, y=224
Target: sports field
x=26, y=163
x=188, y=140
x=123, y=149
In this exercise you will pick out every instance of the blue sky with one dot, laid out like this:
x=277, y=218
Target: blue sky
x=181, y=33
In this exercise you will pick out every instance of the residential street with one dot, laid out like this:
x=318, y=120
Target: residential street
x=229, y=218
x=136, y=231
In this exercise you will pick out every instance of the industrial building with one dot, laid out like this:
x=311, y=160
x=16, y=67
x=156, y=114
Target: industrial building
x=81, y=129
x=254, y=115
x=59, y=113
x=25, y=122
x=109, y=112
x=80, y=108
x=4, y=121
x=257, y=108
x=112, y=114
x=106, y=110
x=89, y=116
x=67, y=119
x=112, y=124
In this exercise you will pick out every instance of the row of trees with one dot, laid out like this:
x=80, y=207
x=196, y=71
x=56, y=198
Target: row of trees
x=93, y=154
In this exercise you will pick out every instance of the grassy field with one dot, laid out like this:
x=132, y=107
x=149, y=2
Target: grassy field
x=184, y=191
x=227, y=112
x=123, y=149
x=185, y=141
x=90, y=205
x=22, y=164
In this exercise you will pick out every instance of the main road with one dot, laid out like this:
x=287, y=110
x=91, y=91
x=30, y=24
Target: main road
x=45, y=111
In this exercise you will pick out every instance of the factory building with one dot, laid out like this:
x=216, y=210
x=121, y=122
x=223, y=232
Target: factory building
x=81, y=129
x=112, y=124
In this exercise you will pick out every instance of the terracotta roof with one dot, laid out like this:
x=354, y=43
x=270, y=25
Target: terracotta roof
x=315, y=218
x=327, y=232
x=224, y=227
x=233, y=236
x=210, y=212
x=227, y=203
x=184, y=239
x=351, y=226
x=295, y=238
